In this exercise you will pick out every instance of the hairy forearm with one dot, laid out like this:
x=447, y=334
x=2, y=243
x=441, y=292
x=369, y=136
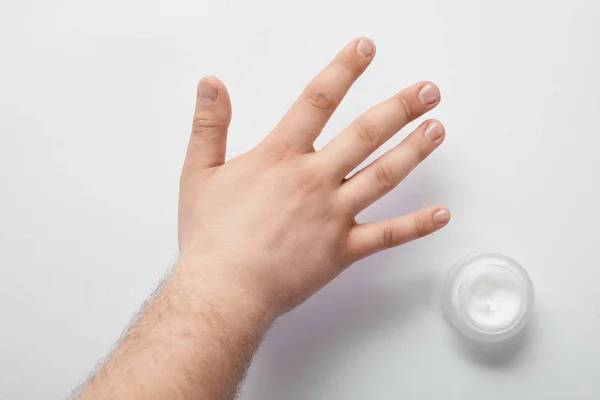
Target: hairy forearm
x=194, y=340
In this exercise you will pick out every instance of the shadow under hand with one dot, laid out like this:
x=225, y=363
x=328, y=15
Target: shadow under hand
x=498, y=355
x=355, y=306
x=370, y=299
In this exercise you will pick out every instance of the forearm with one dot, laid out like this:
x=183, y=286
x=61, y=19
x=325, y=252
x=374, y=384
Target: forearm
x=194, y=340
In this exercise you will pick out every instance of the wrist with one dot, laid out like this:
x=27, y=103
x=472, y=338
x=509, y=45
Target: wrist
x=206, y=287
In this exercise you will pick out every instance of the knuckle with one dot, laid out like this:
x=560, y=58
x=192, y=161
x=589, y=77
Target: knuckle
x=404, y=104
x=345, y=62
x=416, y=150
x=348, y=63
x=321, y=98
x=205, y=125
x=385, y=176
x=367, y=134
x=279, y=149
x=387, y=237
x=310, y=182
x=419, y=228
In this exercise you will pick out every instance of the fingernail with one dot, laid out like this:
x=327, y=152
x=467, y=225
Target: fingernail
x=434, y=131
x=428, y=95
x=441, y=217
x=365, y=48
x=207, y=92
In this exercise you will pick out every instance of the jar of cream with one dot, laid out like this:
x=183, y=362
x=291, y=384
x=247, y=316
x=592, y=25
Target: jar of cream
x=488, y=297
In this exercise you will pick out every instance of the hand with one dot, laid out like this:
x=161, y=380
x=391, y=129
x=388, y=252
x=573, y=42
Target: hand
x=279, y=220
x=261, y=233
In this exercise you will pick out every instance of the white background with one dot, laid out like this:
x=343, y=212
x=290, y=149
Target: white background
x=95, y=108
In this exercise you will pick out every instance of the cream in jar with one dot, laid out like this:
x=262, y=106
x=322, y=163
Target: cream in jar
x=488, y=297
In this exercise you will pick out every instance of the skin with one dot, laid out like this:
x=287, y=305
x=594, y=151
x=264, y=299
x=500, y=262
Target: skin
x=261, y=233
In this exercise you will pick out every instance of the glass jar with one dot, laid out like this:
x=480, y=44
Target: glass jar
x=488, y=297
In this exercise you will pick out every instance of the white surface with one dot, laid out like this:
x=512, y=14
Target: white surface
x=95, y=107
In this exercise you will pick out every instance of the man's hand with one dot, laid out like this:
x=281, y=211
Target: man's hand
x=279, y=220
x=261, y=233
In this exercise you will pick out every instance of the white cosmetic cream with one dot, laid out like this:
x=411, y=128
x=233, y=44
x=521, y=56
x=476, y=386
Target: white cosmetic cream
x=488, y=297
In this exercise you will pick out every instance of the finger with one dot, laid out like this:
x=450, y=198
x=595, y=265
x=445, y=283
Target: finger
x=308, y=115
x=206, y=148
x=385, y=173
x=366, y=239
x=355, y=143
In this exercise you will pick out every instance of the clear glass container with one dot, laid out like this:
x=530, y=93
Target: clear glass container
x=488, y=297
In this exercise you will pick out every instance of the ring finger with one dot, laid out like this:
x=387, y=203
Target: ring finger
x=385, y=173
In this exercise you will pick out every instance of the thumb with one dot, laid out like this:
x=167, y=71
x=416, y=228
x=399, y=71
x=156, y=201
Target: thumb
x=208, y=141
